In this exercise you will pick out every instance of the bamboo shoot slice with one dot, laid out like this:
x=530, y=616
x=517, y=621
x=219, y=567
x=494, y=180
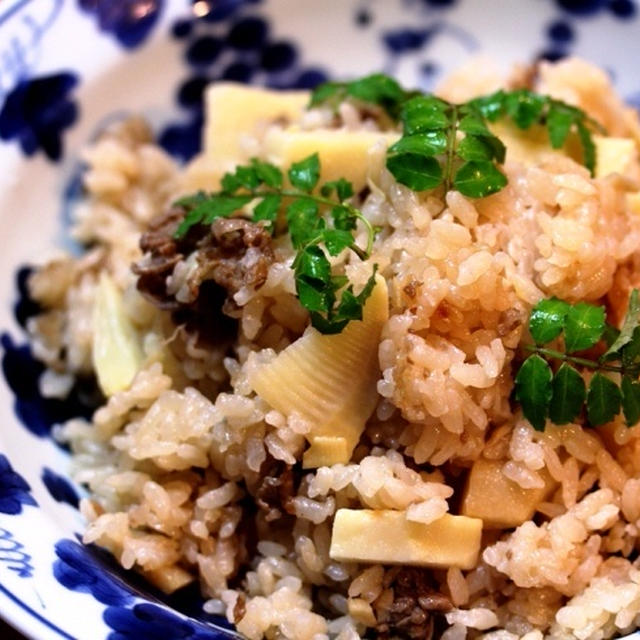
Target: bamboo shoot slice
x=116, y=351
x=330, y=381
x=386, y=536
x=235, y=110
x=497, y=500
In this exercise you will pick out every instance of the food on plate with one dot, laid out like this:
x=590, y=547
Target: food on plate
x=369, y=363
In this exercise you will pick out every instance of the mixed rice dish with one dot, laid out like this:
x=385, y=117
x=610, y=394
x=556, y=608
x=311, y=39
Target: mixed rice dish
x=378, y=478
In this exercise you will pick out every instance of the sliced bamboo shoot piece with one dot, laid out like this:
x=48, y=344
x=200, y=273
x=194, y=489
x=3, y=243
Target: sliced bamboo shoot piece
x=497, y=500
x=235, y=111
x=330, y=381
x=117, y=354
x=386, y=536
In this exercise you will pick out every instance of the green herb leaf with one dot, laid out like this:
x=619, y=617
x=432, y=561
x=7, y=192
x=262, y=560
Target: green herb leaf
x=417, y=172
x=343, y=218
x=492, y=107
x=479, y=179
x=569, y=392
x=267, y=209
x=337, y=240
x=474, y=125
x=304, y=175
x=533, y=390
x=524, y=107
x=424, y=114
x=267, y=173
x=603, y=400
x=378, y=89
x=630, y=324
x=342, y=187
x=631, y=351
x=630, y=401
x=314, y=265
x=212, y=207
x=588, y=147
x=547, y=319
x=302, y=219
x=559, y=123
x=325, y=92
x=475, y=148
x=425, y=144
x=583, y=327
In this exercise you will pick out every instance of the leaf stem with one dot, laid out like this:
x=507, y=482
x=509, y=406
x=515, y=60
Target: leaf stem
x=584, y=362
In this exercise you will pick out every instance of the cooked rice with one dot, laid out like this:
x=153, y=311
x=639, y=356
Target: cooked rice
x=168, y=461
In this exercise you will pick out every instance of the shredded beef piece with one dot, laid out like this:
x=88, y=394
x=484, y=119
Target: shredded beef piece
x=275, y=492
x=227, y=255
x=416, y=600
x=232, y=252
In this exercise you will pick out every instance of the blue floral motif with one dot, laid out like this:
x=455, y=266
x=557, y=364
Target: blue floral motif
x=24, y=24
x=37, y=111
x=87, y=569
x=130, y=21
x=242, y=51
x=37, y=413
x=14, y=489
x=623, y=9
x=12, y=554
x=60, y=489
x=77, y=570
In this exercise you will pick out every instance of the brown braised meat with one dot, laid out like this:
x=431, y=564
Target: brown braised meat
x=221, y=259
x=416, y=602
x=275, y=492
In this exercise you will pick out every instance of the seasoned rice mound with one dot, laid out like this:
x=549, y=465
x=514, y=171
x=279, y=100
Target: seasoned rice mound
x=193, y=477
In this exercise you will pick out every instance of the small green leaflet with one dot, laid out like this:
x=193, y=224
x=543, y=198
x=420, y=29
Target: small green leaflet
x=302, y=219
x=417, y=172
x=603, y=400
x=630, y=324
x=630, y=401
x=376, y=89
x=533, y=390
x=559, y=122
x=426, y=144
x=268, y=209
x=425, y=114
x=342, y=187
x=478, y=179
x=568, y=396
x=304, y=175
x=583, y=326
x=215, y=206
x=268, y=173
x=524, y=107
x=547, y=319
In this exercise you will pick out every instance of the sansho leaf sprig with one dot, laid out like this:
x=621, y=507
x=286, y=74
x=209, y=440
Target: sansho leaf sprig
x=451, y=144
x=561, y=395
x=318, y=224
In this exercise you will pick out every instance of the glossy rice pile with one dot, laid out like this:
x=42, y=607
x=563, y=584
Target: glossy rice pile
x=174, y=464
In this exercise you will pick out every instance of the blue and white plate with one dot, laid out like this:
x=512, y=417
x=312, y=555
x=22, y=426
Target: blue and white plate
x=69, y=66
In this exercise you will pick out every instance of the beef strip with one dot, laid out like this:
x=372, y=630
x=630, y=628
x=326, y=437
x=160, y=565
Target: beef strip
x=416, y=603
x=227, y=255
x=275, y=492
